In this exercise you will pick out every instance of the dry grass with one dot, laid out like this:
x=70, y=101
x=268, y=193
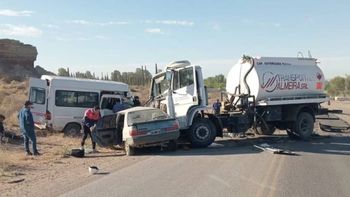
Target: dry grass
x=12, y=97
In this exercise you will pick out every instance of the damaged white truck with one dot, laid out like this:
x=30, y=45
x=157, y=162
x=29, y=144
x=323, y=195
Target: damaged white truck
x=263, y=93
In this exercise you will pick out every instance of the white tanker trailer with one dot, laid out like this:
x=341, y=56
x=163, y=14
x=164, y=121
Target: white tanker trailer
x=262, y=93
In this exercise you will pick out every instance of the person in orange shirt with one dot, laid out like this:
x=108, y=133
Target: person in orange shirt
x=91, y=116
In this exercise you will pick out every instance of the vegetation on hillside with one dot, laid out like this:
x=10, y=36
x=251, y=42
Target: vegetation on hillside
x=141, y=76
x=338, y=86
x=219, y=81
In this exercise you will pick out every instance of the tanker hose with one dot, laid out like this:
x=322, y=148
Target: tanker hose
x=247, y=58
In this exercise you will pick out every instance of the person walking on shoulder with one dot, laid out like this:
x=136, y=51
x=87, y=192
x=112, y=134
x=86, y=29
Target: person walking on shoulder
x=91, y=116
x=26, y=124
x=216, y=107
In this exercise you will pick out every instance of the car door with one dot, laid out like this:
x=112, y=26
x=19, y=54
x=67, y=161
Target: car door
x=38, y=90
x=107, y=132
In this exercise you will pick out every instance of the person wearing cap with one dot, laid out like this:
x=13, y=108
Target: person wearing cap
x=26, y=124
x=91, y=116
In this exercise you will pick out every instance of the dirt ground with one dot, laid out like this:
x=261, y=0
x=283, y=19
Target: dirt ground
x=55, y=172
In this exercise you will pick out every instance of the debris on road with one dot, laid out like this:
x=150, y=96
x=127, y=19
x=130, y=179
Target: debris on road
x=273, y=150
x=332, y=123
x=93, y=169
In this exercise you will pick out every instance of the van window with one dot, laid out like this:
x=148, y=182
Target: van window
x=37, y=95
x=65, y=98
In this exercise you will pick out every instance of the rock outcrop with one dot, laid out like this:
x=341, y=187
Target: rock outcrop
x=17, y=60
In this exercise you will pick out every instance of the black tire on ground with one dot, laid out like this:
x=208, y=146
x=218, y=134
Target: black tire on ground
x=129, y=150
x=263, y=130
x=303, y=127
x=172, y=145
x=202, y=133
x=292, y=135
x=72, y=129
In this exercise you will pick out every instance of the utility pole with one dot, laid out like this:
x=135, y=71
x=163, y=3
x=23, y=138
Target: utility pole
x=156, y=68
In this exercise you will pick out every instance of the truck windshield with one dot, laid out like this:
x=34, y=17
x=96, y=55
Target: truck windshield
x=160, y=85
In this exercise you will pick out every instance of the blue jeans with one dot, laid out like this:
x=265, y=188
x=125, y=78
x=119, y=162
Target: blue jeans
x=29, y=136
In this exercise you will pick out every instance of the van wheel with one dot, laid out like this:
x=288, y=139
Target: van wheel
x=303, y=127
x=202, y=133
x=72, y=129
x=129, y=150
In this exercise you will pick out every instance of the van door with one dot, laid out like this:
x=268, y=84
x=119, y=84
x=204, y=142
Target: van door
x=107, y=102
x=38, y=90
x=185, y=93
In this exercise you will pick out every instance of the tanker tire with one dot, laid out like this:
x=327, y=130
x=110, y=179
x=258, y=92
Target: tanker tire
x=303, y=127
x=202, y=133
x=262, y=130
x=292, y=135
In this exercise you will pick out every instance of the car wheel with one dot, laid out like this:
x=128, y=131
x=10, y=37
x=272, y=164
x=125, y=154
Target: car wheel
x=172, y=145
x=72, y=129
x=202, y=133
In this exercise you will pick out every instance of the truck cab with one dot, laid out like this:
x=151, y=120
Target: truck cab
x=179, y=90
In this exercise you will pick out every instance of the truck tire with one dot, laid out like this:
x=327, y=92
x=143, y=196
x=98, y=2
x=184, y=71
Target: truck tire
x=262, y=130
x=303, y=127
x=72, y=129
x=202, y=133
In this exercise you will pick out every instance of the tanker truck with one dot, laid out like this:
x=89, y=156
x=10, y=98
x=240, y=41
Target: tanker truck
x=262, y=94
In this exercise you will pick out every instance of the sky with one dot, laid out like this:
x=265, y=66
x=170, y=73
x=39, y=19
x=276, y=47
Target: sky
x=106, y=35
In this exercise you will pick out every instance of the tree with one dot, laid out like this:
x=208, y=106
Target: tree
x=336, y=86
x=63, y=72
x=219, y=81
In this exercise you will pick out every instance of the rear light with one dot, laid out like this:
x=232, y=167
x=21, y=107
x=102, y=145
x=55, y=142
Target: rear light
x=48, y=115
x=173, y=127
x=135, y=132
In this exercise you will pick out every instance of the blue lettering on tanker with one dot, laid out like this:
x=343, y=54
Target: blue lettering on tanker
x=272, y=82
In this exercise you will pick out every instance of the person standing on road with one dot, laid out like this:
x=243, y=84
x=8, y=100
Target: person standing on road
x=91, y=116
x=216, y=107
x=26, y=124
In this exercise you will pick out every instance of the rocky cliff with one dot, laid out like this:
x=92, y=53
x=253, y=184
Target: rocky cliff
x=17, y=60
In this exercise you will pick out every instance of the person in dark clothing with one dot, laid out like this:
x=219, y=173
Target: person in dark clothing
x=118, y=106
x=2, y=130
x=216, y=107
x=91, y=116
x=137, y=101
x=26, y=124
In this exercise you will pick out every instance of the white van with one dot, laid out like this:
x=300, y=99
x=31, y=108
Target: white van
x=59, y=102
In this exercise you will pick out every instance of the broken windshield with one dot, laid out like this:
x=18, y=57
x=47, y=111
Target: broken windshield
x=160, y=85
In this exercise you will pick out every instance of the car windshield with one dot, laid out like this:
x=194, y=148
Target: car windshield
x=146, y=115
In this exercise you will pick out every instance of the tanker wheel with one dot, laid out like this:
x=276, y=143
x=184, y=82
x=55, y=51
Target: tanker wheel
x=263, y=130
x=304, y=126
x=202, y=133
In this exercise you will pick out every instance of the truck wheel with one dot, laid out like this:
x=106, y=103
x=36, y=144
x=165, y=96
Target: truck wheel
x=303, y=127
x=72, y=129
x=262, y=130
x=202, y=133
x=129, y=150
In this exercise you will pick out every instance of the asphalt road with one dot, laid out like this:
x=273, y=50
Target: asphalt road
x=231, y=168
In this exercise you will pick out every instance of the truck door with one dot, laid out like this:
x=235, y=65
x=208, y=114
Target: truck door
x=185, y=92
x=38, y=90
